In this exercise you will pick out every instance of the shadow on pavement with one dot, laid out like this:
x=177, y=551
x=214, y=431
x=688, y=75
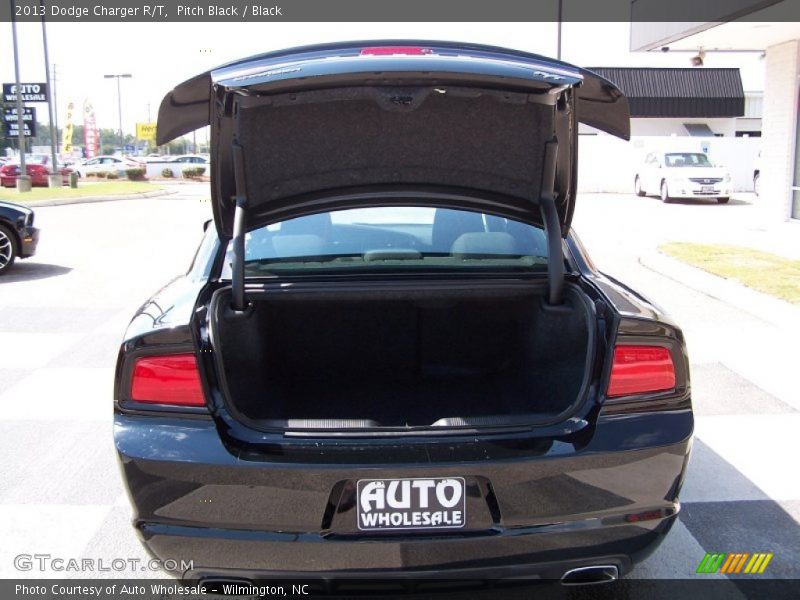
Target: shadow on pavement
x=22, y=271
x=727, y=512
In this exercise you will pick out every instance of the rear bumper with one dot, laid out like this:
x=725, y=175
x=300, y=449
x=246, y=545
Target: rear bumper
x=528, y=553
x=11, y=180
x=30, y=239
x=194, y=500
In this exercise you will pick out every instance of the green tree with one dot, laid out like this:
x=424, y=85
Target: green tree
x=178, y=146
x=42, y=137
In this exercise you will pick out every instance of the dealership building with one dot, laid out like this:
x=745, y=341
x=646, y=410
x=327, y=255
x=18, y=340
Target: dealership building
x=773, y=30
x=687, y=101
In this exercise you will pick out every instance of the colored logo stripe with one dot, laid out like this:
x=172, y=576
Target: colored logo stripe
x=730, y=563
x=710, y=563
x=734, y=563
x=758, y=563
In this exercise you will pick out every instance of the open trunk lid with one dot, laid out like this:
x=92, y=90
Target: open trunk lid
x=437, y=124
x=297, y=131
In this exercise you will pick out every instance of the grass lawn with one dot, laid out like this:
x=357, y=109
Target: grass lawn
x=762, y=271
x=105, y=188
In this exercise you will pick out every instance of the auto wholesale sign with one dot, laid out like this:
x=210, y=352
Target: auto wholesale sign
x=10, y=114
x=31, y=92
x=11, y=121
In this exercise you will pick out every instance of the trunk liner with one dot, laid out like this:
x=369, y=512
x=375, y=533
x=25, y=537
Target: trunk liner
x=403, y=362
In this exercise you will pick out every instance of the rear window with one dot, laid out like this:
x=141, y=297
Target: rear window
x=686, y=159
x=395, y=238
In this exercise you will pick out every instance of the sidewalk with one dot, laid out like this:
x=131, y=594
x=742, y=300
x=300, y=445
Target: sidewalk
x=89, y=199
x=763, y=306
x=748, y=225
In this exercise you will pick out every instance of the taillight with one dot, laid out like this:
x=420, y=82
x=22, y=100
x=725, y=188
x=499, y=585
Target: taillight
x=640, y=370
x=167, y=379
x=392, y=50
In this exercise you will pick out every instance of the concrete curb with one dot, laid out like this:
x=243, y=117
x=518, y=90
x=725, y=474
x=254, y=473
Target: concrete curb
x=90, y=199
x=762, y=306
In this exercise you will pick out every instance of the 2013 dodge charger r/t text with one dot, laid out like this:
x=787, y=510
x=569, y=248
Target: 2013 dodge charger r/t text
x=392, y=356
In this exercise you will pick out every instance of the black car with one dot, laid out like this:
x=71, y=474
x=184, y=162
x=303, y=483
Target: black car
x=392, y=357
x=18, y=236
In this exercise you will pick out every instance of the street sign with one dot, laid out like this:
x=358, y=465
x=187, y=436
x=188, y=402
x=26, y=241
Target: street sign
x=12, y=130
x=10, y=114
x=31, y=92
x=146, y=131
x=10, y=119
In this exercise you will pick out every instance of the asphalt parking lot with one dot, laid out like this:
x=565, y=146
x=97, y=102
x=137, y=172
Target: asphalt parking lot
x=63, y=312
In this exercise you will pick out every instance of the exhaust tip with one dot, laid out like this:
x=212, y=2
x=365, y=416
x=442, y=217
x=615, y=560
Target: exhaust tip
x=590, y=575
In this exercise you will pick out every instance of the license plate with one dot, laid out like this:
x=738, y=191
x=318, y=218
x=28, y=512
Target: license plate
x=426, y=503
x=707, y=188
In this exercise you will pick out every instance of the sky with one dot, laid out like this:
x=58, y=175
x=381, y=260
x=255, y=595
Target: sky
x=161, y=55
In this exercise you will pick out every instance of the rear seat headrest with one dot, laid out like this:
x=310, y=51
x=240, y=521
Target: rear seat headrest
x=448, y=224
x=488, y=243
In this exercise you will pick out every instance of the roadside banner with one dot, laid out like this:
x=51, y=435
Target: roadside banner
x=91, y=137
x=68, y=131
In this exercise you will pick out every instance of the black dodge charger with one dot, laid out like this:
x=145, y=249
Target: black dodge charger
x=391, y=356
x=18, y=236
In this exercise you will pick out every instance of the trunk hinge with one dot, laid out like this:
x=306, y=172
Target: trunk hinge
x=239, y=300
x=552, y=228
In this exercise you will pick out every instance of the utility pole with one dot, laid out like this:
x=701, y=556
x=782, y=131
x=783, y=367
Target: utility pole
x=54, y=179
x=55, y=106
x=119, y=100
x=23, y=181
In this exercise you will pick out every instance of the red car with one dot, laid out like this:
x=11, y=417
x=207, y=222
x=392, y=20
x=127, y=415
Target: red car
x=37, y=167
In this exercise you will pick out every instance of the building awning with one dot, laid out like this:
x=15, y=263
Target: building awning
x=690, y=92
x=698, y=129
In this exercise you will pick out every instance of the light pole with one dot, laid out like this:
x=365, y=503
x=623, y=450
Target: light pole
x=23, y=181
x=54, y=178
x=119, y=98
